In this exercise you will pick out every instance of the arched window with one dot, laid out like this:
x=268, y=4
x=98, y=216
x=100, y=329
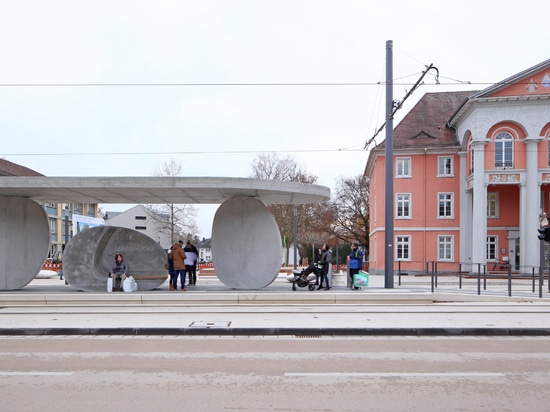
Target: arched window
x=471, y=156
x=504, y=150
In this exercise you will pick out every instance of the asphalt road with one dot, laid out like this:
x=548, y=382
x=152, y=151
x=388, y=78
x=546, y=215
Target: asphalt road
x=268, y=373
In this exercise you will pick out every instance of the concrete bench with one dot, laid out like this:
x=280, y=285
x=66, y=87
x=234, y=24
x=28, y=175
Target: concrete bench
x=149, y=277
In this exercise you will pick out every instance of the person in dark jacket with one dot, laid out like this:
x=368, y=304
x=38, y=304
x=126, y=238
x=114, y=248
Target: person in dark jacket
x=326, y=257
x=191, y=257
x=119, y=271
x=355, y=261
x=170, y=268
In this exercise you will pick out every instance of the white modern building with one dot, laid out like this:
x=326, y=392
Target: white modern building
x=140, y=218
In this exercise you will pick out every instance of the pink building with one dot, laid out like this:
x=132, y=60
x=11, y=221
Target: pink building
x=471, y=177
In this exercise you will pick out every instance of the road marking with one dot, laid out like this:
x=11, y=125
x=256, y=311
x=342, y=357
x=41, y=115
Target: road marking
x=399, y=375
x=35, y=373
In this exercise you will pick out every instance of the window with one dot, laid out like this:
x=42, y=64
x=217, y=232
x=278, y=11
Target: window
x=503, y=150
x=141, y=217
x=471, y=155
x=492, y=204
x=403, y=167
x=403, y=247
x=53, y=225
x=445, y=166
x=445, y=205
x=445, y=248
x=403, y=205
x=141, y=227
x=491, y=248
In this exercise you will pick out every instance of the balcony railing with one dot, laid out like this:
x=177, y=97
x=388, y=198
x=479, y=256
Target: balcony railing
x=504, y=165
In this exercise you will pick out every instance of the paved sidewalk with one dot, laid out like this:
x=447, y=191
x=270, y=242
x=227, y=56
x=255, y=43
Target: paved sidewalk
x=50, y=307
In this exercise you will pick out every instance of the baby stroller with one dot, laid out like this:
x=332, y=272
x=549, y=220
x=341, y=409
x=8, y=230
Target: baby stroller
x=305, y=277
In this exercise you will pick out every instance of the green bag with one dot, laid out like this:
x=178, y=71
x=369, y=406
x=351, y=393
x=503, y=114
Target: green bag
x=361, y=279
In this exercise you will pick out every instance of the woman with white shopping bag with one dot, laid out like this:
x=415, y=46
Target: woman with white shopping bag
x=118, y=272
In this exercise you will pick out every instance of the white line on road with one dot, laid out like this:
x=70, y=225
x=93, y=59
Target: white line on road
x=399, y=375
x=35, y=373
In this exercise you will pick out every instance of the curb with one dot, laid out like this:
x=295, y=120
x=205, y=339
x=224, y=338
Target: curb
x=299, y=332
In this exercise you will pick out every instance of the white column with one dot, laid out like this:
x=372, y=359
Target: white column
x=465, y=214
x=479, y=215
x=530, y=207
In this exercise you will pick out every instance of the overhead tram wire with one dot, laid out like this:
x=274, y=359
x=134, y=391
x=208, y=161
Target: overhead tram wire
x=182, y=84
x=184, y=153
x=337, y=84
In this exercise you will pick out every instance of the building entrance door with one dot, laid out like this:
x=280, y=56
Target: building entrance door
x=513, y=252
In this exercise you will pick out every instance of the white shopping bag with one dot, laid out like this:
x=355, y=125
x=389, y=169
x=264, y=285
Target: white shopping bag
x=109, y=284
x=130, y=284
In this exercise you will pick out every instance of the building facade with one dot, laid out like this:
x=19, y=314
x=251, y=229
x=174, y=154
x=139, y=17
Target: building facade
x=471, y=177
x=205, y=250
x=60, y=215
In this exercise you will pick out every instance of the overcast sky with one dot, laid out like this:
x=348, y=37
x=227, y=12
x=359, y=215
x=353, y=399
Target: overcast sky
x=117, y=87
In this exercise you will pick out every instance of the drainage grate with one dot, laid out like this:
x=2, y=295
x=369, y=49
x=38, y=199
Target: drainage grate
x=308, y=336
x=209, y=324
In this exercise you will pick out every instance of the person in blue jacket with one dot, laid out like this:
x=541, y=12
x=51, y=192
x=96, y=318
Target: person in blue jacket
x=355, y=261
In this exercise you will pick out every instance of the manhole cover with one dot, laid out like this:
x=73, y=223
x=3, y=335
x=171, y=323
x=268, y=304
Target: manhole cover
x=209, y=324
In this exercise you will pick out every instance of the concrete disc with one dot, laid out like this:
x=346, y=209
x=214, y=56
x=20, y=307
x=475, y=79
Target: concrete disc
x=89, y=255
x=246, y=244
x=25, y=243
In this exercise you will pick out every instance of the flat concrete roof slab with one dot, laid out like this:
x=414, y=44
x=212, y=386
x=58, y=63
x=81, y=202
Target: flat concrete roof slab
x=159, y=190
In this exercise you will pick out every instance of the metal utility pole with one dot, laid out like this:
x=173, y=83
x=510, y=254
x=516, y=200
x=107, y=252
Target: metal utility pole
x=389, y=257
x=295, y=234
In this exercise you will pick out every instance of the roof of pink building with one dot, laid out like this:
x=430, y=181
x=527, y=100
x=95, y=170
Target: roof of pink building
x=426, y=125
x=8, y=168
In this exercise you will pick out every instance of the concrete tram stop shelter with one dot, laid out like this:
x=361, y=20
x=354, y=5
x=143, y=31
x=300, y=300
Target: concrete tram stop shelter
x=246, y=244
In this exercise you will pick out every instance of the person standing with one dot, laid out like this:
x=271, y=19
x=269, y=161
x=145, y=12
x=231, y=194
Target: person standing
x=326, y=257
x=119, y=271
x=355, y=262
x=191, y=258
x=170, y=263
x=178, y=257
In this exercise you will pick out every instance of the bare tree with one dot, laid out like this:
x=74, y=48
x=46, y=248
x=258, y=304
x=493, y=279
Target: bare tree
x=177, y=220
x=271, y=167
x=350, y=210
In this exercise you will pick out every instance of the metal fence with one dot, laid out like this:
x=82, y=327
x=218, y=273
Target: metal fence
x=480, y=278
